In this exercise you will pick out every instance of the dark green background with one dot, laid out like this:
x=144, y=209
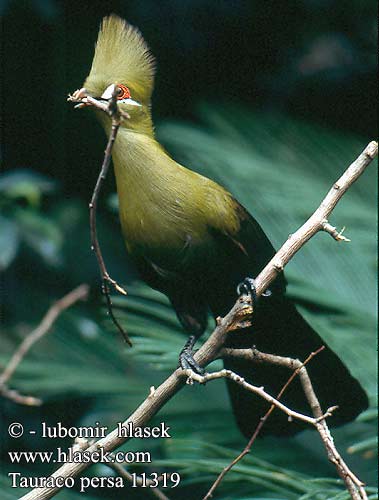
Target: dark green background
x=314, y=59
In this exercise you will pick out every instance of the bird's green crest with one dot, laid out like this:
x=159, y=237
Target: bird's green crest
x=121, y=56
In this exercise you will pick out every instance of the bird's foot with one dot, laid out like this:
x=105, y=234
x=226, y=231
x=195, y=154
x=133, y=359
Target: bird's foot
x=186, y=359
x=247, y=287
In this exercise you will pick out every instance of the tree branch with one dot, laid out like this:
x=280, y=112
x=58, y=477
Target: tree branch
x=79, y=293
x=251, y=441
x=317, y=220
x=353, y=484
x=203, y=379
x=241, y=309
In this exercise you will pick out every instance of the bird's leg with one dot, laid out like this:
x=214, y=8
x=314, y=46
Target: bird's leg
x=186, y=359
x=247, y=287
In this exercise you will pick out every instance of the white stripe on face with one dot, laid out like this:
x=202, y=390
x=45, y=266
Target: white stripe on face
x=108, y=92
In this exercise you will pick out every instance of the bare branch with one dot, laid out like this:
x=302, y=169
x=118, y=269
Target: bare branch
x=202, y=379
x=79, y=293
x=18, y=398
x=110, y=108
x=315, y=222
x=353, y=484
x=246, y=450
x=211, y=348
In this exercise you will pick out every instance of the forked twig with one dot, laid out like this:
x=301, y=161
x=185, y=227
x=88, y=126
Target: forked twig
x=353, y=484
x=116, y=115
x=261, y=423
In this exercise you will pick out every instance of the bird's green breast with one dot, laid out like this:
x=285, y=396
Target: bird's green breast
x=166, y=210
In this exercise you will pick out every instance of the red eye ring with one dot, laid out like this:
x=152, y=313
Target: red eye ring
x=123, y=93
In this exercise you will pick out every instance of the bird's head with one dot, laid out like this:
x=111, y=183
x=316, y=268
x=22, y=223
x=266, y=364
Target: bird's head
x=122, y=58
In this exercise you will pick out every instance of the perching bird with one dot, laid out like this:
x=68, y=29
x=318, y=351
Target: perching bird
x=191, y=240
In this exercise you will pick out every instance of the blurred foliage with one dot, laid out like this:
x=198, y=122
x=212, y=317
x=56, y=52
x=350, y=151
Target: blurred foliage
x=22, y=221
x=267, y=66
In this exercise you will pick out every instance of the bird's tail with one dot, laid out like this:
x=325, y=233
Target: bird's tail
x=278, y=328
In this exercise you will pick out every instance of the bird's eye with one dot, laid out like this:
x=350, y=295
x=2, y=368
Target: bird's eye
x=123, y=92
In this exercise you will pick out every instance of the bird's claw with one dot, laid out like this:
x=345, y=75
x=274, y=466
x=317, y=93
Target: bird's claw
x=247, y=287
x=187, y=362
x=186, y=359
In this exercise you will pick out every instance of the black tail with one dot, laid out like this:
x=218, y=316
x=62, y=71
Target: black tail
x=279, y=329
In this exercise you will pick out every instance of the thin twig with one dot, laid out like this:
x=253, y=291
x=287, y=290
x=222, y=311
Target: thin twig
x=262, y=421
x=79, y=293
x=111, y=108
x=229, y=374
x=337, y=235
x=209, y=351
x=95, y=246
x=18, y=398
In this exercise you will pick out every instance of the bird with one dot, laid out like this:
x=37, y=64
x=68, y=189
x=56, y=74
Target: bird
x=190, y=239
